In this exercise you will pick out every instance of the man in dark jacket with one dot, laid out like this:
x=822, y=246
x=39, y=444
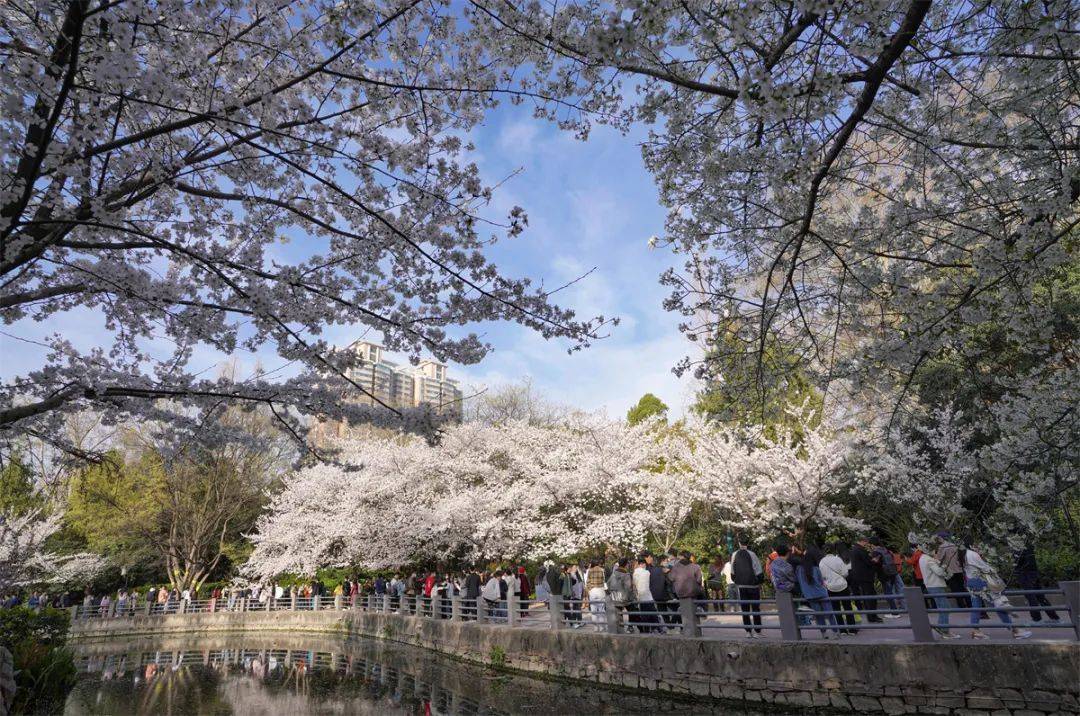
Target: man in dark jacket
x=472, y=593
x=554, y=580
x=1026, y=574
x=861, y=578
x=662, y=593
x=747, y=576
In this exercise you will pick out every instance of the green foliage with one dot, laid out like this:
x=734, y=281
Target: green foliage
x=742, y=391
x=115, y=505
x=44, y=669
x=649, y=406
x=17, y=493
x=497, y=657
x=980, y=361
x=48, y=627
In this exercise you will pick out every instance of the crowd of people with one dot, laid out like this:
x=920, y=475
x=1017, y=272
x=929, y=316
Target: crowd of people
x=841, y=588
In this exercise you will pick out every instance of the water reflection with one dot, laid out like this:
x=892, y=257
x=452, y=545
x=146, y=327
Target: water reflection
x=316, y=675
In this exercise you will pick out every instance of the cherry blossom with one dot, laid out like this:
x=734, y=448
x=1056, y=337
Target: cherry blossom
x=24, y=559
x=239, y=174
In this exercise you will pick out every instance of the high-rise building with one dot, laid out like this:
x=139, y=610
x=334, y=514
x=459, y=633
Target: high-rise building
x=402, y=386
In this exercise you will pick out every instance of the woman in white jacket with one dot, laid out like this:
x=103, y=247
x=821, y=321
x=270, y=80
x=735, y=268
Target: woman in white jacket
x=834, y=572
x=986, y=589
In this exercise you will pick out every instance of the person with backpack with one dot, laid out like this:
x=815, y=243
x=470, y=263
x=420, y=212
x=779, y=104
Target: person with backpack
x=747, y=575
x=949, y=555
x=888, y=573
x=620, y=585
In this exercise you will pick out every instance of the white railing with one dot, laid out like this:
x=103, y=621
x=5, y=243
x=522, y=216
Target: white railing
x=912, y=615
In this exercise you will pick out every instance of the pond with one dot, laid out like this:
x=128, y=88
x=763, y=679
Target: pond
x=297, y=674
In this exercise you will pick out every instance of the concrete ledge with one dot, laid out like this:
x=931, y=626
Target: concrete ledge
x=877, y=678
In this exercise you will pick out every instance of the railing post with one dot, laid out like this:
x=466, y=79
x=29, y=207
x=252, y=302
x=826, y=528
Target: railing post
x=611, y=613
x=316, y=602
x=386, y=602
x=74, y=609
x=369, y=602
x=147, y=607
x=917, y=615
x=481, y=610
x=213, y=605
x=337, y=602
x=455, y=608
x=688, y=612
x=789, y=622
x=512, y=609
x=112, y=609
x=1071, y=590
x=181, y=606
x=292, y=601
x=555, y=608
x=435, y=604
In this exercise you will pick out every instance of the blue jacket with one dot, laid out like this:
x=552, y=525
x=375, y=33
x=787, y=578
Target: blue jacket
x=783, y=575
x=813, y=588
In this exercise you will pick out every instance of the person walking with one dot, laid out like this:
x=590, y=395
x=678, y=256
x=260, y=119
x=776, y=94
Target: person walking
x=986, y=587
x=861, y=579
x=935, y=579
x=747, y=575
x=1026, y=575
x=834, y=573
x=814, y=592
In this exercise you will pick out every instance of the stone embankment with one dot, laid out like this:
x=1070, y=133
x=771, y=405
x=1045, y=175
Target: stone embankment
x=1019, y=679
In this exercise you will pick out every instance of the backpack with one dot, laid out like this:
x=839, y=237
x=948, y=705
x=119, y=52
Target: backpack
x=617, y=589
x=742, y=570
x=888, y=564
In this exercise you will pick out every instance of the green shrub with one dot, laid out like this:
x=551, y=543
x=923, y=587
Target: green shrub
x=44, y=675
x=48, y=627
x=44, y=669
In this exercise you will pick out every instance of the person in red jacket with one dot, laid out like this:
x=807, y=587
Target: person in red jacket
x=429, y=584
x=911, y=558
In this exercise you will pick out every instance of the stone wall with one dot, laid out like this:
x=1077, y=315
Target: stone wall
x=1020, y=678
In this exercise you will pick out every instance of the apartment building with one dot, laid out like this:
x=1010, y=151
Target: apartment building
x=402, y=385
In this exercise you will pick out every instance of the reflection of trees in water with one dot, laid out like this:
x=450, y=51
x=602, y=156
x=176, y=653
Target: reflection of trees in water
x=360, y=676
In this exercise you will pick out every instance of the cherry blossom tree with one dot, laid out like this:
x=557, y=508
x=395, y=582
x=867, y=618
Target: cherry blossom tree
x=484, y=492
x=999, y=474
x=774, y=484
x=241, y=174
x=857, y=179
x=523, y=490
x=24, y=558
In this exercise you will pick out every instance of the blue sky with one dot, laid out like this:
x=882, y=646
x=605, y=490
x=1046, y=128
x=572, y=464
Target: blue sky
x=589, y=204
